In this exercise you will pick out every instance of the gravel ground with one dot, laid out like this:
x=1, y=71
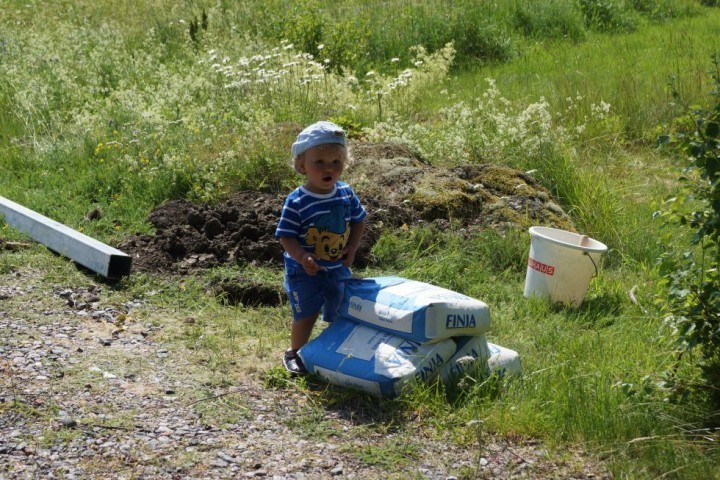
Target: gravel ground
x=66, y=411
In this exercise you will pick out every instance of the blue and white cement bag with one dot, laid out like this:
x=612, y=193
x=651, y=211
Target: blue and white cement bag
x=471, y=355
x=414, y=310
x=503, y=360
x=477, y=355
x=361, y=357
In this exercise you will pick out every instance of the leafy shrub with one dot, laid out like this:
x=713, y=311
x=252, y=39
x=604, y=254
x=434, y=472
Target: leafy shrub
x=605, y=16
x=365, y=36
x=477, y=38
x=305, y=26
x=553, y=19
x=346, y=45
x=663, y=9
x=693, y=279
x=478, y=34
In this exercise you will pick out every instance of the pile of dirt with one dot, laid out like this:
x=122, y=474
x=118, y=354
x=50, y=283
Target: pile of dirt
x=407, y=190
x=193, y=236
x=396, y=186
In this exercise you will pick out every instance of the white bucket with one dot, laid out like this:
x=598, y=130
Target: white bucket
x=561, y=264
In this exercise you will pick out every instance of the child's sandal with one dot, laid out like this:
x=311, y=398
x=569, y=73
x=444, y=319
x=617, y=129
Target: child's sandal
x=293, y=363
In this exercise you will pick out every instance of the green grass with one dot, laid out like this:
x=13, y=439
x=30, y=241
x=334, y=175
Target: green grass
x=95, y=112
x=630, y=72
x=587, y=373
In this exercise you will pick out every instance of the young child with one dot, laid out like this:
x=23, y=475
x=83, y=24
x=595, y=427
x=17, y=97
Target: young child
x=320, y=229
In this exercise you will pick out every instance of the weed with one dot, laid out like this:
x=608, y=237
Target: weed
x=393, y=453
x=658, y=10
x=221, y=410
x=605, y=15
x=56, y=436
x=555, y=19
x=691, y=278
x=279, y=378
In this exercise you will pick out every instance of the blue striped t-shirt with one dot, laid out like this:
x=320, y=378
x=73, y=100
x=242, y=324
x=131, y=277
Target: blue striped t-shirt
x=321, y=222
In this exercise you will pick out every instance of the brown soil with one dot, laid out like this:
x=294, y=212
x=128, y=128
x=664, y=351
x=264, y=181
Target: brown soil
x=396, y=187
x=192, y=236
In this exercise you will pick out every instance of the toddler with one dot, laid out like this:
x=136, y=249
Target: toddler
x=320, y=229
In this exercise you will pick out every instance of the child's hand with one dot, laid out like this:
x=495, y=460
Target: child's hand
x=309, y=264
x=349, y=255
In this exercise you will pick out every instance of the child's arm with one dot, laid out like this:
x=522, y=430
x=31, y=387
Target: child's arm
x=299, y=254
x=356, y=233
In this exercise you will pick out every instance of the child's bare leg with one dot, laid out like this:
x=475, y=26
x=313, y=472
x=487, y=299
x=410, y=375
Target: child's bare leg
x=301, y=330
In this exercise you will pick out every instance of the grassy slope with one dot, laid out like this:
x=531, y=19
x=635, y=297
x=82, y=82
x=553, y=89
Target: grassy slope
x=585, y=369
x=629, y=71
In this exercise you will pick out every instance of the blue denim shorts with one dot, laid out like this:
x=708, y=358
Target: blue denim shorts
x=310, y=294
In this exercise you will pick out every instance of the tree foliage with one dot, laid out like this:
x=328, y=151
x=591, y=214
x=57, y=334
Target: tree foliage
x=693, y=278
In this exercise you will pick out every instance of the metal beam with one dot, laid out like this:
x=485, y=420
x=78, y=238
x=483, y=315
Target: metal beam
x=88, y=252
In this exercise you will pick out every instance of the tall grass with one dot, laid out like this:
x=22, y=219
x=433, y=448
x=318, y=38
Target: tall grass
x=589, y=374
x=556, y=19
x=630, y=72
x=362, y=35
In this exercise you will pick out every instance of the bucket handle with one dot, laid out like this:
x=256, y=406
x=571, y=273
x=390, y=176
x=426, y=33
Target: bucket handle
x=593, y=262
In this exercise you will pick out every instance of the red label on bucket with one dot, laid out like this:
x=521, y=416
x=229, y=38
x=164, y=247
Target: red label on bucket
x=541, y=267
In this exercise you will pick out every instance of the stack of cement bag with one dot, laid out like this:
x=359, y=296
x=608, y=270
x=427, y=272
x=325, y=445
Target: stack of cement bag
x=393, y=332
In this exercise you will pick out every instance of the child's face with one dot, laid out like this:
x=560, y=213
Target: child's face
x=322, y=167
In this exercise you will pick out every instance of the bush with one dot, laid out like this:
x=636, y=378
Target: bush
x=346, y=45
x=605, y=16
x=693, y=279
x=477, y=39
x=555, y=19
x=365, y=36
x=663, y=9
x=305, y=27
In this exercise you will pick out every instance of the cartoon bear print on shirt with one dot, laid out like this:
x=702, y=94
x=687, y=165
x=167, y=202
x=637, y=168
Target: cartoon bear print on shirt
x=329, y=235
